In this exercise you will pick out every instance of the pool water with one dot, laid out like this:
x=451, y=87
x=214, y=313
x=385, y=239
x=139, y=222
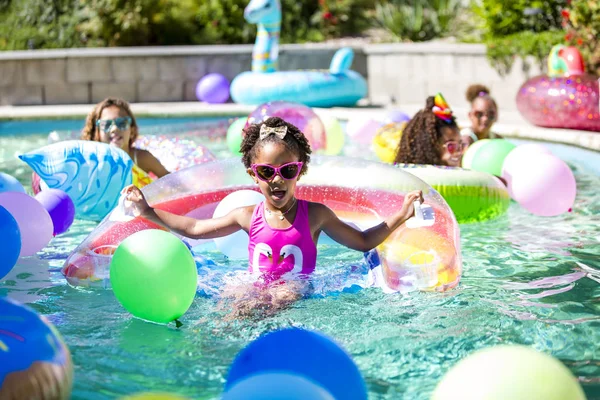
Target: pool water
x=527, y=280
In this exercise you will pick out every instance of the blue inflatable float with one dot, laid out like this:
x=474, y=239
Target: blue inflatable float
x=338, y=86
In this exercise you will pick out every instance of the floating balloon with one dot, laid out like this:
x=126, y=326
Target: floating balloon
x=154, y=396
x=91, y=173
x=335, y=135
x=396, y=116
x=235, y=245
x=487, y=155
x=213, y=88
x=362, y=129
x=9, y=183
x=509, y=372
x=174, y=153
x=543, y=184
x=35, y=362
x=511, y=163
x=302, y=353
x=34, y=221
x=235, y=135
x=60, y=207
x=387, y=141
x=301, y=116
x=10, y=245
x=153, y=275
x=278, y=386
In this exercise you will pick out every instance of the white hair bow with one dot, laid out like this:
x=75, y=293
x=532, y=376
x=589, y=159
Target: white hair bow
x=279, y=131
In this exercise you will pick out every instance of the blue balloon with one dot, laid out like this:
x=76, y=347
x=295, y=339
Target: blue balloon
x=34, y=361
x=276, y=386
x=304, y=353
x=9, y=183
x=396, y=116
x=10, y=242
x=91, y=173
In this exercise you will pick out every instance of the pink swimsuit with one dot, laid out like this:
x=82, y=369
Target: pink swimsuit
x=281, y=250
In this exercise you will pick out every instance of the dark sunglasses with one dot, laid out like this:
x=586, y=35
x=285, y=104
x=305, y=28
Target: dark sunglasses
x=479, y=114
x=266, y=172
x=454, y=147
x=121, y=123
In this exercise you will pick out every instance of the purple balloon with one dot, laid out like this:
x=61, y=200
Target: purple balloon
x=396, y=116
x=60, y=207
x=213, y=89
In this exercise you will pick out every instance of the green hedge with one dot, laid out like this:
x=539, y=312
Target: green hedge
x=99, y=23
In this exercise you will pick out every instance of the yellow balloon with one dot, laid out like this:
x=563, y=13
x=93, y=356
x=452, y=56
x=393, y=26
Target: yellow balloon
x=335, y=135
x=386, y=141
x=509, y=372
x=154, y=396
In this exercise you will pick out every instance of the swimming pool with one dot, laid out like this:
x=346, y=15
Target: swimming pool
x=527, y=280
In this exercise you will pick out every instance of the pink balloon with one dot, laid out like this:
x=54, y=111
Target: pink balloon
x=543, y=184
x=362, y=129
x=34, y=221
x=520, y=158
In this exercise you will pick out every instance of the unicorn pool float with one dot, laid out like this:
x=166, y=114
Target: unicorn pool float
x=565, y=98
x=423, y=256
x=338, y=86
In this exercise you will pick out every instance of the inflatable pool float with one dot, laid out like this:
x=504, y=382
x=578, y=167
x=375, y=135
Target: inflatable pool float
x=406, y=258
x=338, y=86
x=93, y=173
x=565, y=98
x=35, y=363
x=473, y=196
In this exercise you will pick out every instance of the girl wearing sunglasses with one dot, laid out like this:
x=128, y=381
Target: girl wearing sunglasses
x=283, y=230
x=111, y=121
x=483, y=115
x=431, y=136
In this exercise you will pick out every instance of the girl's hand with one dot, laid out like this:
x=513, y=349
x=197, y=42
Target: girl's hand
x=408, y=207
x=138, y=201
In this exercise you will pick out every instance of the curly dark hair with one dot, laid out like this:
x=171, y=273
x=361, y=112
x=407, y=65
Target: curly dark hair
x=422, y=136
x=91, y=131
x=294, y=140
x=477, y=91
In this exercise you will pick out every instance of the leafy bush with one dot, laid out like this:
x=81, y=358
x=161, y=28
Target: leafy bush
x=520, y=28
x=418, y=20
x=582, y=20
x=98, y=23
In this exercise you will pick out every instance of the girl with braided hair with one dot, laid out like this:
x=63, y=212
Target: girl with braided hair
x=283, y=230
x=483, y=115
x=431, y=136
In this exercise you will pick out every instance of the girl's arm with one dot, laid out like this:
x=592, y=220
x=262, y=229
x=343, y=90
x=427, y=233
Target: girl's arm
x=149, y=163
x=372, y=237
x=187, y=226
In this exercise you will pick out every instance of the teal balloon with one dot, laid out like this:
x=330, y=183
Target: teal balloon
x=154, y=276
x=490, y=157
x=234, y=135
x=10, y=243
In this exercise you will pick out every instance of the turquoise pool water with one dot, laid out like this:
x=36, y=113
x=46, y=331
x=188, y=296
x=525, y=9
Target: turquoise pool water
x=527, y=280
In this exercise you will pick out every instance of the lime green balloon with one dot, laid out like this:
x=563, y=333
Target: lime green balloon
x=154, y=276
x=490, y=156
x=509, y=372
x=469, y=155
x=335, y=135
x=234, y=135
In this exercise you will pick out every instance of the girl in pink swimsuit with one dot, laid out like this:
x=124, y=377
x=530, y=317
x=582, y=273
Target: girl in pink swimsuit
x=283, y=230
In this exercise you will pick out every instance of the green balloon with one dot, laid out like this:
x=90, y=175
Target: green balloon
x=490, y=157
x=467, y=160
x=335, y=135
x=509, y=372
x=154, y=276
x=234, y=135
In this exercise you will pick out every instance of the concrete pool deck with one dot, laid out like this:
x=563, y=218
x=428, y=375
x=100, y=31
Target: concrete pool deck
x=511, y=123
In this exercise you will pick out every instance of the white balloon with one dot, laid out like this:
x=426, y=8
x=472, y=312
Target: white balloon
x=236, y=245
